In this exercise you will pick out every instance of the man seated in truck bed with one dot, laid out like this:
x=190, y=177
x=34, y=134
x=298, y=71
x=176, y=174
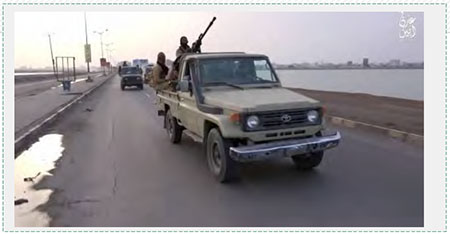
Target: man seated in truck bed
x=160, y=70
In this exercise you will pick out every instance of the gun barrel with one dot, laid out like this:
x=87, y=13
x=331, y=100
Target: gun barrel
x=207, y=28
x=196, y=45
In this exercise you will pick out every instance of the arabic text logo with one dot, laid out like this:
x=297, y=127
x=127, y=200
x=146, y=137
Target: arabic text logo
x=407, y=28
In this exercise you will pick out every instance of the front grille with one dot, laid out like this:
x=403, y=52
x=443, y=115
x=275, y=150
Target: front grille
x=131, y=78
x=278, y=119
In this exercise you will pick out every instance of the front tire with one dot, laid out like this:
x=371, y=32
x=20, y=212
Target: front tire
x=220, y=164
x=174, y=131
x=308, y=161
x=122, y=87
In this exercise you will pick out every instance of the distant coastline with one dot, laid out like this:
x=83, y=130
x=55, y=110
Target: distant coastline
x=348, y=68
x=393, y=64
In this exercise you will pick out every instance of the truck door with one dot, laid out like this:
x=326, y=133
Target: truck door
x=187, y=104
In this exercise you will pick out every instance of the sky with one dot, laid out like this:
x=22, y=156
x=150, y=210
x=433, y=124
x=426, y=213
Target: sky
x=286, y=37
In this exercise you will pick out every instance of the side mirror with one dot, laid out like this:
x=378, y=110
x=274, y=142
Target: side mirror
x=184, y=85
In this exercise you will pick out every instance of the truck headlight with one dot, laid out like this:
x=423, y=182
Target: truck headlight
x=313, y=116
x=252, y=121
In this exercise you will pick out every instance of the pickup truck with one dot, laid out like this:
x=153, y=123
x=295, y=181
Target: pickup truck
x=234, y=104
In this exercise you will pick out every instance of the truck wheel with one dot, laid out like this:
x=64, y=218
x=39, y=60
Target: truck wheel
x=173, y=129
x=141, y=87
x=220, y=164
x=122, y=87
x=308, y=161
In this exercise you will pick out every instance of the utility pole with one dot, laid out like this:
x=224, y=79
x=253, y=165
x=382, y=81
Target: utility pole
x=101, y=44
x=51, y=52
x=87, y=50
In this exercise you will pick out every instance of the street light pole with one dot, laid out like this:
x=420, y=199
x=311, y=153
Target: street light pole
x=101, y=44
x=89, y=79
x=108, y=53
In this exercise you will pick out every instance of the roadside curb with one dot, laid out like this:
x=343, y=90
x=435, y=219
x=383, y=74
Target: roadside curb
x=393, y=133
x=25, y=139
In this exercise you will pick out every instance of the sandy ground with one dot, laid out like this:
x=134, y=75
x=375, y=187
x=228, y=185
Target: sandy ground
x=400, y=114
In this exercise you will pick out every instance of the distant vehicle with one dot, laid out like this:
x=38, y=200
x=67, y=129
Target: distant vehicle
x=147, y=70
x=131, y=76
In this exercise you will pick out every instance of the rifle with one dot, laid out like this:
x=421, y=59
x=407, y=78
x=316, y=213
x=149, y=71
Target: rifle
x=198, y=43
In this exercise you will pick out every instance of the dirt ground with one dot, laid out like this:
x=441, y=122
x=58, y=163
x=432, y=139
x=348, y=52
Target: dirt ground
x=395, y=113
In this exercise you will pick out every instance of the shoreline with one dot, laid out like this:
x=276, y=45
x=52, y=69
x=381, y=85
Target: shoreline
x=389, y=112
x=352, y=68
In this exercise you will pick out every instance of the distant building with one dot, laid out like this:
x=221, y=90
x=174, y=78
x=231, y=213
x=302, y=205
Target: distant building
x=366, y=62
x=349, y=63
x=394, y=62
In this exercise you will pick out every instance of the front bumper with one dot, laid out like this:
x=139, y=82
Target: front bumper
x=284, y=148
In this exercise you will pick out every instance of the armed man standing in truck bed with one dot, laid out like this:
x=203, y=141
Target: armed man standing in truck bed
x=183, y=48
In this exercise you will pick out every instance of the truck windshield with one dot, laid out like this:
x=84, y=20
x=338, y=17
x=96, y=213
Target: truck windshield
x=236, y=71
x=130, y=70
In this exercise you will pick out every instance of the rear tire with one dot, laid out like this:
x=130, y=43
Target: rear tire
x=220, y=164
x=308, y=161
x=174, y=131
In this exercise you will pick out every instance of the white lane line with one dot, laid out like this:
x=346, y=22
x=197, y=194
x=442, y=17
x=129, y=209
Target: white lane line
x=146, y=94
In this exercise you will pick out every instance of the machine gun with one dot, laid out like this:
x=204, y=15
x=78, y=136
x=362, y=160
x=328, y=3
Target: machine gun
x=196, y=46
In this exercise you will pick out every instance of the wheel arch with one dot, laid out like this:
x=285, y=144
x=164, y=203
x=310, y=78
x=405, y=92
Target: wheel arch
x=207, y=126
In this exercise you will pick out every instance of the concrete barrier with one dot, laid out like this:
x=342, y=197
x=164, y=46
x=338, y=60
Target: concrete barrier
x=393, y=133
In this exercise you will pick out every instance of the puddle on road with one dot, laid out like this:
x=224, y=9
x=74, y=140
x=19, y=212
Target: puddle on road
x=29, y=169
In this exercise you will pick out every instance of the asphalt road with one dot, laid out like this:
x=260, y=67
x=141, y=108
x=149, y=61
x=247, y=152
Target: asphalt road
x=33, y=88
x=119, y=169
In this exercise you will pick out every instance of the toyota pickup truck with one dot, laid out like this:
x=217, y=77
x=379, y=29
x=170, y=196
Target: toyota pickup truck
x=235, y=105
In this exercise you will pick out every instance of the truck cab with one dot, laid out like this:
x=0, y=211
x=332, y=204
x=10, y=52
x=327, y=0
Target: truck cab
x=235, y=105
